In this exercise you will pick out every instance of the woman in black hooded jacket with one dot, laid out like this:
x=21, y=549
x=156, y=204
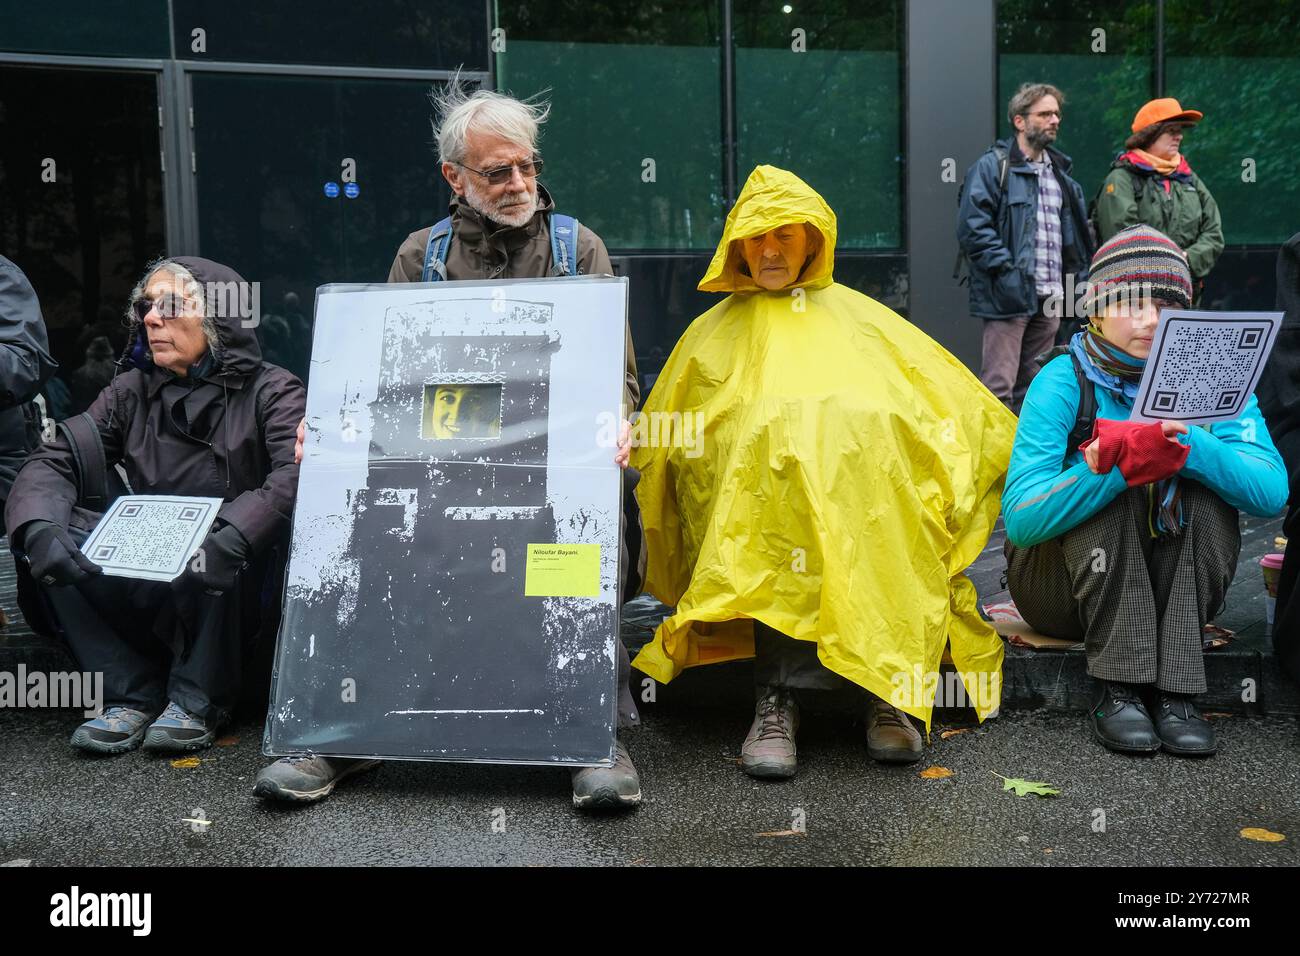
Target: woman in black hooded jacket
x=195, y=412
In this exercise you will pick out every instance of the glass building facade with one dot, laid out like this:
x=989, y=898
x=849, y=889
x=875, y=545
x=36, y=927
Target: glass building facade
x=130, y=129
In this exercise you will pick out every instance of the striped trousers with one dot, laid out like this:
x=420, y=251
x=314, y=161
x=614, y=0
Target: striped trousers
x=1138, y=603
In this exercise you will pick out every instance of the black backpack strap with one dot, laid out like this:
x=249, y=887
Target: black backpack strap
x=88, y=455
x=1086, y=417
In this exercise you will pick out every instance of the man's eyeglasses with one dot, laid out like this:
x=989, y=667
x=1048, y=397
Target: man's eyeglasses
x=169, y=306
x=501, y=175
x=1046, y=114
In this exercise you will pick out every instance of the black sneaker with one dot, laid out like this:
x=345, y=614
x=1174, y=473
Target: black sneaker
x=115, y=731
x=1181, y=727
x=1120, y=721
x=177, y=730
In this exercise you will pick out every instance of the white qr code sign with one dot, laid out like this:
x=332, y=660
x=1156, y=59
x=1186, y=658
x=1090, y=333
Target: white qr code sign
x=1204, y=366
x=150, y=536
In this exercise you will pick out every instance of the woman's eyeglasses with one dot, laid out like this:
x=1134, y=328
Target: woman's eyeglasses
x=501, y=175
x=168, y=306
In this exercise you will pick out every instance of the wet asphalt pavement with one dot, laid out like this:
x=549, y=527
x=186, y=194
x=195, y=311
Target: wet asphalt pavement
x=58, y=807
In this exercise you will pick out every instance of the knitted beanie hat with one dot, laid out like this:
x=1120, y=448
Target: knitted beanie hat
x=1134, y=262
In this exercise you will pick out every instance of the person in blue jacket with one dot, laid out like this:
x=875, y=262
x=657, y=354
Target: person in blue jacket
x=1130, y=545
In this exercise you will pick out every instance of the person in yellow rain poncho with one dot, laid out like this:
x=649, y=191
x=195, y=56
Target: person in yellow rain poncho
x=817, y=473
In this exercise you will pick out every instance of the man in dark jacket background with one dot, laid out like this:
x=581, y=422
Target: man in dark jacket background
x=25, y=365
x=1023, y=228
x=198, y=413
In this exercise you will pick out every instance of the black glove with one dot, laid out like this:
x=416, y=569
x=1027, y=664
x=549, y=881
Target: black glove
x=54, y=556
x=217, y=563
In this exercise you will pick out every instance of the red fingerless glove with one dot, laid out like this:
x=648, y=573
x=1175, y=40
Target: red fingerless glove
x=1139, y=449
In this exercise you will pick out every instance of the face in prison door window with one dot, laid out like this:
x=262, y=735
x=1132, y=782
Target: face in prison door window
x=461, y=411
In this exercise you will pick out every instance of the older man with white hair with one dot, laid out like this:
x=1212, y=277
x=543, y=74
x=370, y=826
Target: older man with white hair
x=502, y=225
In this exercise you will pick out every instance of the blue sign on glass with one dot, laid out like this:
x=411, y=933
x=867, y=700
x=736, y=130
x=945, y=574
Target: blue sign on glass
x=332, y=190
x=351, y=190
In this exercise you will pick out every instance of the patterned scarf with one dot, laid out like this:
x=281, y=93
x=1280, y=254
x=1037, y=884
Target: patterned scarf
x=1166, y=169
x=1119, y=373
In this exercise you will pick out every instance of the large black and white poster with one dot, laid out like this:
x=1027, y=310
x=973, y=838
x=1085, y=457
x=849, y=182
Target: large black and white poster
x=453, y=575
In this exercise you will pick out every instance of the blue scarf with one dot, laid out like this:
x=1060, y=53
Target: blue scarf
x=1113, y=369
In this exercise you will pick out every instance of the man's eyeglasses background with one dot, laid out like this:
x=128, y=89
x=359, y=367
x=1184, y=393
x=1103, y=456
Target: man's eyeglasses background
x=503, y=174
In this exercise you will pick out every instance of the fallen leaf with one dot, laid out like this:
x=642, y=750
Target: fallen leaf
x=1047, y=849
x=1262, y=835
x=953, y=733
x=936, y=773
x=228, y=741
x=186, y=763
x=639, y=860
x=1213, y=714
x=1025, y=787
x=783, y=833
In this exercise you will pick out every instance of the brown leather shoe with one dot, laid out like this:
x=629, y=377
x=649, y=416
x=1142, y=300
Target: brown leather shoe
x=891, y=737
x=769, y=751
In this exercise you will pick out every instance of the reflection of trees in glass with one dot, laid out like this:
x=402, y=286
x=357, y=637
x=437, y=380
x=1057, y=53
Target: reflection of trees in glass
x=1239, y=64
x=261, y=173
x=84, y=239
x=1049, y=42
x=833, y=114
x=628, y=83
x=86, y=27
x=381, y=33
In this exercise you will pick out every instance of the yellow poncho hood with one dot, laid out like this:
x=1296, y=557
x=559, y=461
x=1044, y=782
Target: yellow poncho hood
x=772, y=197
x=812, y=460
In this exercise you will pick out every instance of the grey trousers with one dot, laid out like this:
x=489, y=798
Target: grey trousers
x=1011, y=351
x=1137, y=602
x=781, y=661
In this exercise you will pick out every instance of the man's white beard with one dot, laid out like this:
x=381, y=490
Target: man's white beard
x=514, y=216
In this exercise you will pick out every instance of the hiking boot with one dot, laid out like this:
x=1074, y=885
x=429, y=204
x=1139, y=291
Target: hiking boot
x=607, y=788
x=304, y=778
x=177, y=730
x=1181, y=728
x=1120, y=720
x=115, y=731
x=769, y=751
x=891, y=736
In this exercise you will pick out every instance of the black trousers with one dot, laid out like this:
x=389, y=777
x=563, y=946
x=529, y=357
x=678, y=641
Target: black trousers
x=1286, y=616
x=1138, y=603
x=154, y=644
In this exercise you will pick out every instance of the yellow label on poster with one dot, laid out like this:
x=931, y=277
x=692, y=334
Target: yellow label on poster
x=562, y=570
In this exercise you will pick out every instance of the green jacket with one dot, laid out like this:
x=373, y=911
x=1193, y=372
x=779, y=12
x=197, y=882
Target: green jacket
x=1186, y=213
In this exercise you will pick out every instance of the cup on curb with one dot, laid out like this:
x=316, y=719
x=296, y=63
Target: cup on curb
x=1271, y=566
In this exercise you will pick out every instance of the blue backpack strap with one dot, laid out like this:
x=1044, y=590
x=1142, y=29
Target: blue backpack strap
x=435, y=252
x=564, y=244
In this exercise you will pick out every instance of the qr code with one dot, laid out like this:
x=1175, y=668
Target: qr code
x=1205, y=370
